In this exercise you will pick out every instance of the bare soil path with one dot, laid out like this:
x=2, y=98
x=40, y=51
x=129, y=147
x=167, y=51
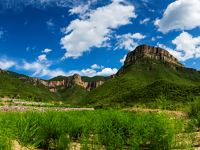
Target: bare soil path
x=171, y=113
x=39, y=109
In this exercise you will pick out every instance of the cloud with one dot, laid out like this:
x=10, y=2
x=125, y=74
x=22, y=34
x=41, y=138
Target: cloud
x=95, y=66
x=180, y=15
x=145, y=21
x=20, y=4
x=123, y=59
x=107, y=72
x=46, y=50
x=188, y=45
x=50, y=23
x=91, y=72
x=42, y=57
x=6, y=63
x=41, y=69
x=155, y=38
x=95, y=30
x=80, y=10
x=44, y=68
x=128, y=41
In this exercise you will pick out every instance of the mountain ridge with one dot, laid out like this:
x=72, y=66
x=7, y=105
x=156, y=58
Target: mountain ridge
x=144, y=68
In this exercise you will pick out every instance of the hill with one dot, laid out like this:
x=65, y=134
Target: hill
x=148, y=73
x=17, y=86
x=71, y=89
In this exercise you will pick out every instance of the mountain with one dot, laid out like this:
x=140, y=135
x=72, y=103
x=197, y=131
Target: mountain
x=74, y=88
x=148, y=73
x=71, y=89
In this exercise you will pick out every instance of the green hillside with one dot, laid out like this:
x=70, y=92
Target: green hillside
x=12, y=87
x=143, y=81
x=146, y=80
x=73, y=95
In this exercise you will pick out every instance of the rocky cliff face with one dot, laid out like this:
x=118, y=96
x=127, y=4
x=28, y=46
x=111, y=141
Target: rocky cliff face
x=66, y=82
x=145, y=51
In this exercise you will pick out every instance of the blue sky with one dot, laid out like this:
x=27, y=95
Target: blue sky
x=47, y=38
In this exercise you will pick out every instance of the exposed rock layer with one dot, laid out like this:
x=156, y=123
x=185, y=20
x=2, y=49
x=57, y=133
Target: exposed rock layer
x=145, y=51
x=68, y=82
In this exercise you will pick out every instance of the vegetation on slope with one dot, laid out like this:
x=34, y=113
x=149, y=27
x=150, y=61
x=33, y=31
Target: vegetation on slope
x=73, y=95
x=13, y=87
x=145, y=81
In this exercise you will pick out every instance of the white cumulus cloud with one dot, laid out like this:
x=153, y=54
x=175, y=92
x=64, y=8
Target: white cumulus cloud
x=41, y=69
x=180, y=15
x=6, y=63
x=91, y=72
x=95, y=30
x=188, y=45
x=128, y=41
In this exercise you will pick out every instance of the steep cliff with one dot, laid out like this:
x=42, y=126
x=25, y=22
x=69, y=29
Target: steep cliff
x=68, y=82
x=156, y=53
x=143, y=53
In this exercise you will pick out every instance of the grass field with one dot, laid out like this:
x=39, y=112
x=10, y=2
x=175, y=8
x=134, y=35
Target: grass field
x=99, y=129
x=130, y=128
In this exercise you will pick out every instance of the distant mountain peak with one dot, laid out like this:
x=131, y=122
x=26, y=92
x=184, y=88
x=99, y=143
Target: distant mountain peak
x=146, y=51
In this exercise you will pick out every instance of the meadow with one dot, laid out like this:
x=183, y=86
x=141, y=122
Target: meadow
x=143, y=128
x=99, y=129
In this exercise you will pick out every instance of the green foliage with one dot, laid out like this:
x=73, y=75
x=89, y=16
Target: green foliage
x=146, y=81
x=194, y=110
x=161, y=102
x=73, y=95
x=109, y=128
x=13, y=87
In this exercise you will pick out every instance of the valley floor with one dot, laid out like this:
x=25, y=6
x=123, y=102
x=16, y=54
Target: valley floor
x=32, y=125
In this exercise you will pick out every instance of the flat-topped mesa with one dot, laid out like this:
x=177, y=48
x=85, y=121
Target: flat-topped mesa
x=145, y=51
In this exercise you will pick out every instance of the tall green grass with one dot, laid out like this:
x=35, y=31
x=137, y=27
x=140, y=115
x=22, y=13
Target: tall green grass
x=102, y=128
x=194, y=111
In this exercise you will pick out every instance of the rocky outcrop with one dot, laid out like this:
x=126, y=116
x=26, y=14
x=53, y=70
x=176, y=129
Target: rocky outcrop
x=93, y=85
x=77, y=80
x=66, y=82
x=145, y=51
